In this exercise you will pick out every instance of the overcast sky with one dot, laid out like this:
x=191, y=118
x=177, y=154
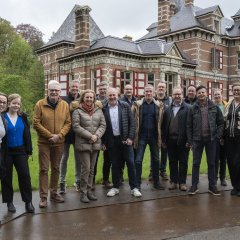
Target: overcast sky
x=114, y=17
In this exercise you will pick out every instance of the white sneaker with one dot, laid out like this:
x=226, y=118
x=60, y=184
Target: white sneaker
x=112, y=192
x=136, y=193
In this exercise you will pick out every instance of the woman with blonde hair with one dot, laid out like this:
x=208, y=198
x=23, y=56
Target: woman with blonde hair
x=89, y=126
x=19, y=147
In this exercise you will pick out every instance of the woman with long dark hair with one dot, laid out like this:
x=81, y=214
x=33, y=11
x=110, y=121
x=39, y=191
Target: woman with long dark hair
x=19, y=147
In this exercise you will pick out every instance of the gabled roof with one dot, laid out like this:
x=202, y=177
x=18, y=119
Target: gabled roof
x=183, y=19
x=66, y=32
x=187, y=17
x=208, y=10
x=237, y=14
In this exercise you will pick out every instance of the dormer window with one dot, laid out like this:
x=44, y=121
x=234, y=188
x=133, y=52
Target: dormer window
x=217, y=26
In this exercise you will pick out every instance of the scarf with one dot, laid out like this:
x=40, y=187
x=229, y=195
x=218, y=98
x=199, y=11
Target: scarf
x=88, y=109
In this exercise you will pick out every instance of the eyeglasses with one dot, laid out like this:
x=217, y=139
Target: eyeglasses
x=236, y=90
x=54, y=90
x=3, y=103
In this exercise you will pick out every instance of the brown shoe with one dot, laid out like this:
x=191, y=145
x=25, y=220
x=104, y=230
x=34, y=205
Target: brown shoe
x=173, y=186
x=183, y=187
x=43, y=202
x=56, y=198
x=164, y=175
x=107, y=184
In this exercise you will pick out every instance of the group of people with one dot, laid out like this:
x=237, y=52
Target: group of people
x=122, y=128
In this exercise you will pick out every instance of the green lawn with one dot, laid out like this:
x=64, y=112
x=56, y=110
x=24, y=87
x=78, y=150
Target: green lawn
x=33, y=164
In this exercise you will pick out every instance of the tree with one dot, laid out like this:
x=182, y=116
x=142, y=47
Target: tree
x=20, y=70
x=31, y=34
x=7, y=36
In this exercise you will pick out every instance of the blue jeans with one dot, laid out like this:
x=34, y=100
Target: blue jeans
x=210, y=148
x=154, y=150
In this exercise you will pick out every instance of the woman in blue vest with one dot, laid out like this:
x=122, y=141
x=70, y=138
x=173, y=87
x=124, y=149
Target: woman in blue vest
x=19, y=147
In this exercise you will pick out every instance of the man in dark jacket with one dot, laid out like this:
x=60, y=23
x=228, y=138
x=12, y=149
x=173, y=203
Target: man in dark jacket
x=69, y=139
x=148, y=117
x=204, y=127
x=167, y=101
x=191, y=95
x=128, y=95
x=118, y=140
x=174, y=137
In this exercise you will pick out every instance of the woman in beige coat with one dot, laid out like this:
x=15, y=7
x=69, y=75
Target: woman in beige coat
x=89, y=125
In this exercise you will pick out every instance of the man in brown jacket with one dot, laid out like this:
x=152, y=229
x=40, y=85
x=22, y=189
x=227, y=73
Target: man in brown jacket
x=51, y=120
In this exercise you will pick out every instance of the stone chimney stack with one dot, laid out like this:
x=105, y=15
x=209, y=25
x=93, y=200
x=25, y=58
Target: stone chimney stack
x=163, y=16
x=189, y=2
x=172, y=9
x=82, y=41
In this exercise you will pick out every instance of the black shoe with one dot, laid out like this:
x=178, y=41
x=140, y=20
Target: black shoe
x=62, y=188
x=29, y=207
x=193, y=190
x=234, y=192
x=214, y=191
x=91, y=196
x=11, y=207
x=159, y=186
x=164, y=175
x=150, y=178
x=223, y=183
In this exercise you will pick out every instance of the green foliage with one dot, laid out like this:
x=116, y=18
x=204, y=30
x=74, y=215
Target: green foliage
x=20, y=70
x=7, y=36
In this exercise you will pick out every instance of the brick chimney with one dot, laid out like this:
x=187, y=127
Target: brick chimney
x=82, y=41
x=163, y=16
x=189, y=2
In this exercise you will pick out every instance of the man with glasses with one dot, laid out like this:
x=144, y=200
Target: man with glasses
x=52, y=121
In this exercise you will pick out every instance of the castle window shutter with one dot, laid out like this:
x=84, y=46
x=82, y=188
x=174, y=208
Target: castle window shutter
x=220, y=59
x=139, y=83
x=98, y=77
x=64, y=80
x=220, y=86
x=213, y=57
x=210, y=90
x=117, y=79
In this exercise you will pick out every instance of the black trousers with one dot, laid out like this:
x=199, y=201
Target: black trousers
x=178, y=161
x=233, y=160
x=220, y=162
x=20, y=162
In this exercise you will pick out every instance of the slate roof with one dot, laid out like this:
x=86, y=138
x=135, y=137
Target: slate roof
x=237, y=14
x=66, y=32
x=183, y=19
x=186, y=18
x=207, y=10
x=146, y=47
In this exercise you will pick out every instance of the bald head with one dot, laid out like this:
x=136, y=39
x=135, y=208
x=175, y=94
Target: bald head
x=112, y=96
